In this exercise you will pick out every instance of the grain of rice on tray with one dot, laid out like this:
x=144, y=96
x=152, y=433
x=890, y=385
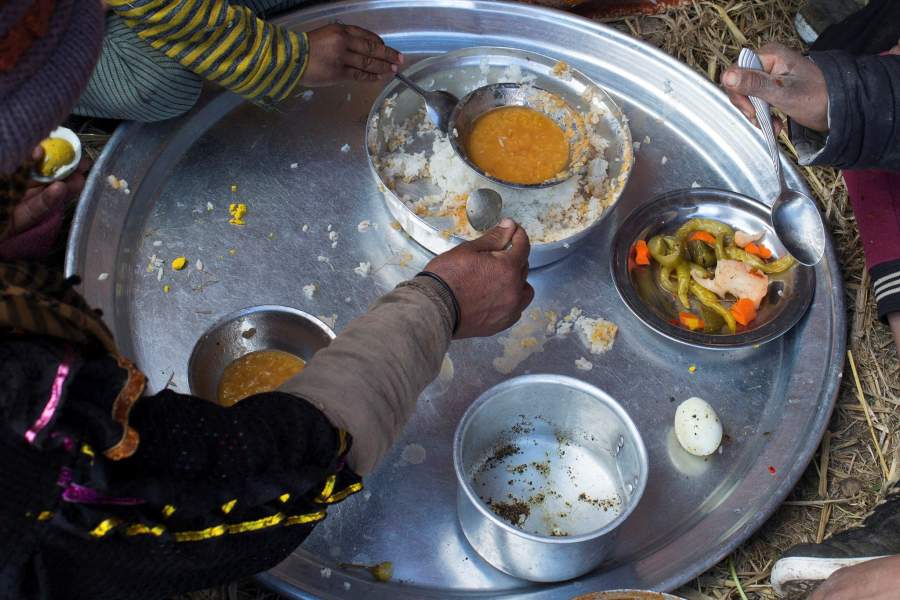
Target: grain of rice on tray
x=435, y=182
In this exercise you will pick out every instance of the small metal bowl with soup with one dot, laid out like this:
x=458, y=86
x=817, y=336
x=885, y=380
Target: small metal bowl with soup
x=254, y=350
x=519, y=135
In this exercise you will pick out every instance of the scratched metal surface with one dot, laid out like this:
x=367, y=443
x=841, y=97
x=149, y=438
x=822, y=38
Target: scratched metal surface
x=774, y=401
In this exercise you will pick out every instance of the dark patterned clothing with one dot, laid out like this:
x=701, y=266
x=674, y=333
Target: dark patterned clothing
x=208, y=495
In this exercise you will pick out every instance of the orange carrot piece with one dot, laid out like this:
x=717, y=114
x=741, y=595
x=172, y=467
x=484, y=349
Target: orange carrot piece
x=642, y=253
x=703, y=236
x=758, y=250
x=690, y=320
x=744, y=311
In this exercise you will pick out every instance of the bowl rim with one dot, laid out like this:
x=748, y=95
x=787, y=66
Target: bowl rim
x=618, y=257
x=251, y=310
x=596, y=395
x=460, y=150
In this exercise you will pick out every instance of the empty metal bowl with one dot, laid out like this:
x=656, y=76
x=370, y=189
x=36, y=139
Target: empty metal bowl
x=787, y=300
x=267, y=327
x=499, y=95
x=548, y=467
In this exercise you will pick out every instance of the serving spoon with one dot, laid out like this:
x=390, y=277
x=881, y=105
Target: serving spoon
x=438, y=104
x=483, y=209
x=794, y=215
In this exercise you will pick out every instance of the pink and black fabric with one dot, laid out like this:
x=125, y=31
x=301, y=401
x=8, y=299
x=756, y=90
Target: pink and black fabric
x=864, y=136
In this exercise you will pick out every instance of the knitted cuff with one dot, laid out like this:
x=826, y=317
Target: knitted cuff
x=886, y=281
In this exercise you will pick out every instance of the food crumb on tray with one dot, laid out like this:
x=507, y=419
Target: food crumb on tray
x=583, y=364
x=597, y=335
x=363, y=226
x=310, y=290
x=363, y=269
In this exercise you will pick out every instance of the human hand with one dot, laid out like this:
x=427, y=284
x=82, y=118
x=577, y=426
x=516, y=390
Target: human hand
x=872, y=580
x=790, y=82
x=344, y=52
x=41, y=199
x=488, y=277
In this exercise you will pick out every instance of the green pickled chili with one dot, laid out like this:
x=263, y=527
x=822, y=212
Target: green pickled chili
x=720, y=248
x=662, y=253
x=665, y=280
x=712, y=321
x=683, y=270
x=698, y=271
x=778, y=266
x=700, y=253
x=710, y=300
x=710, y=226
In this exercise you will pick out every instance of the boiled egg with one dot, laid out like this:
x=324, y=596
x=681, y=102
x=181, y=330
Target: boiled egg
x=697, y=427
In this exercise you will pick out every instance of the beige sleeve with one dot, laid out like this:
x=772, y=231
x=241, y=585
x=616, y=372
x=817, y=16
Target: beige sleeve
x=368, y=380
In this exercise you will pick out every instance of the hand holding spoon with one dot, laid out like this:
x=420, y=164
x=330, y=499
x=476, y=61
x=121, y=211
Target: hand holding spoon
x=794, y=216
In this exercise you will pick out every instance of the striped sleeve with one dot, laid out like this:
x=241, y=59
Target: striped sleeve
x=222, y=43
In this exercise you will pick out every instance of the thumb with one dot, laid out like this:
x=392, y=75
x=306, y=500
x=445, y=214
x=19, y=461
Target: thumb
x=496, y=238
x=750, y=82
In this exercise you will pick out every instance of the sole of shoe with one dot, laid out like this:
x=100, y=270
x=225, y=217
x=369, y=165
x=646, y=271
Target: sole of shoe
x=799, y=574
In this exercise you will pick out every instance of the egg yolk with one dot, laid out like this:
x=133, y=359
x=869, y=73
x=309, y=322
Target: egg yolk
x=57, y=154
x=518, y=144
x=255, y=373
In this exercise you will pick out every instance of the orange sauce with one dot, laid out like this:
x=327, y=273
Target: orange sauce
x=255, y=373
x=518, y=144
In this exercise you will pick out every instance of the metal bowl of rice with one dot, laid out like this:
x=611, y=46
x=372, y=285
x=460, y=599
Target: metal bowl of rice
x=425, y=182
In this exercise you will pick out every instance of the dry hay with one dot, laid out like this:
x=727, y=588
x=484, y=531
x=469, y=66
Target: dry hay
x=847, y=477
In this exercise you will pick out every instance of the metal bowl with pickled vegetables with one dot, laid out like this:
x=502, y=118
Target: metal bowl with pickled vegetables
x=704, y=267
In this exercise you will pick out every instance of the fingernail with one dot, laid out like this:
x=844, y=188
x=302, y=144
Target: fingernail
x=36, y=153
x=507, y=223
x=394, y=68
x=731, y=79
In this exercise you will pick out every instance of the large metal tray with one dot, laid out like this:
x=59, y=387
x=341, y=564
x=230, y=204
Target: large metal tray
x=774, y=400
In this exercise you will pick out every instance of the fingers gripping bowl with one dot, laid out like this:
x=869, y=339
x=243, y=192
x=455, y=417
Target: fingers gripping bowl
x=425, y=182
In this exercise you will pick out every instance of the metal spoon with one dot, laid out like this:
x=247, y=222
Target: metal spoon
x=483, y=208
x=438, y=104
x=794, y=216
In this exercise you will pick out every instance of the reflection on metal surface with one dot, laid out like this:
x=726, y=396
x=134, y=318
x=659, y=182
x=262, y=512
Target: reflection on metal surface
x=773, y=402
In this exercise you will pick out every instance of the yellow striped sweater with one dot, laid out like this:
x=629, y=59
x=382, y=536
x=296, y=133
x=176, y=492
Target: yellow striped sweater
x=222, y=43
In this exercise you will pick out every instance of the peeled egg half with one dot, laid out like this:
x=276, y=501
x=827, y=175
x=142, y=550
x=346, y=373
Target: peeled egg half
x=697, y=427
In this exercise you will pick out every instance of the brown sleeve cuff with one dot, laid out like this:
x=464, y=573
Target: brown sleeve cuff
x=439, y=291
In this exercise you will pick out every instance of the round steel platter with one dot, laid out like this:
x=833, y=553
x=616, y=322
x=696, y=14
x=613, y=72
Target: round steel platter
x=774, y=401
